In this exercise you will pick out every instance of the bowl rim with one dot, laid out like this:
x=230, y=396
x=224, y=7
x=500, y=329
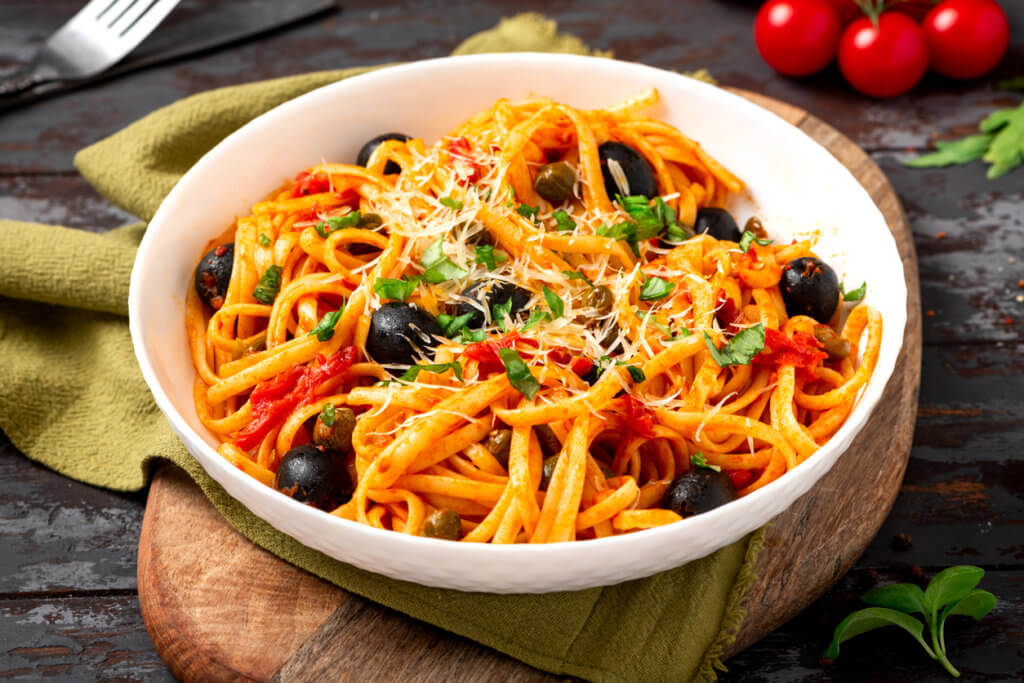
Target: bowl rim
x=216, y=466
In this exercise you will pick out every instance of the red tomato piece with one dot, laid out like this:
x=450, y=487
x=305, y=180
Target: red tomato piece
x=639, y=418
x=797, y=37
x=884, y=60
x=801, y=350
x=306, y=184
x=966, y=38
x=462, y=151
x=740, y=478
x=581, y=365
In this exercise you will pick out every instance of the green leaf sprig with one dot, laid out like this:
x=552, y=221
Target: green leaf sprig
x=268, y=286
x=1000, y=144
x=324, y=329
x=741, y=349
x=950, y=592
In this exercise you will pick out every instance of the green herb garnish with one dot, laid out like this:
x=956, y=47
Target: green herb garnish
x=268, y=286
x=563, y=221
x=950, y=592
x=636, y=373
x=856, y=294
x=749, y=238
x=655, y=288
x=452, y=325
x=741, y=349
x=439, y=268
x=653, y=322
x=350, y=219
x=324, y=330
x=501, y=311
x=264, y=240
x=450, y=203
x=519, y=375
x=485, y=254
x=396, y=290
x=555, y=303
x=576, y=275
x=537, y=316
x=698, y=460
x=528, y=211
x=413, y=372
x=1001, y=145
x=328, y=414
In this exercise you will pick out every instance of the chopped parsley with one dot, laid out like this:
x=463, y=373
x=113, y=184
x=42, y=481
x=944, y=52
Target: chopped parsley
x=519, y=375
x=698, y=460
x=636, y=373
x=328, y=414
x=268, y=286
x=855, y=295
x=555, y=303
x=741, y=349
x=264, y=240
x=655, y=288
x=485, y=254
x=396, y=290
x=576, y=275
x=749, y=238
x=439, y=268
x=450, y=203
x=501, y=311
x=350, y=219
x=452, y=325
x=324, y=330
x=563, y=221
x=537, y=316
x=413, y=372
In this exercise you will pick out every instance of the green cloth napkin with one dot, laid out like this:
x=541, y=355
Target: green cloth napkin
x=71, y=397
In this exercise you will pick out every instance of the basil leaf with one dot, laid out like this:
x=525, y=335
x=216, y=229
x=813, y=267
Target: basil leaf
x=576, y=275
x=439, y=268
x=741, y=349
x=655, y=288
x=268, y=286
x=450, y=325
x=333, y=223
x=264, y=240
x=636, y=373
x=872, y=618
x=855, y=295
x=951, y=585
x=501, y=311
x=397, y=290
x=653, y=322
x=698, y=460
x=486, y=255
x=528, y=211
x=955, y=152
x=412, y=373
x=975, y=604
x=324, y=330
x=677, y=233
x=649, y=223
x=749, y=238
x=905, y=597
x=467, y=335
x=536, y=317
x=555, y=302
x=519, y=375
x=450, y=203
x=625, y=231
x=563, y=221
x=328, y=415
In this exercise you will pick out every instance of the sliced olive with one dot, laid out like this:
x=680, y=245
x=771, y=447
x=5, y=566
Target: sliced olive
x=549, y=443
x=499, y=443
x=364, y=154
x=338, y=436
x=699, y=490
x=635, y=169
x=600, y=298
x=810, y=287
x=444, y=524
x=555, y=182
x=836, y=347
x=213, y=275
x=487, y=294
x=547, y=471
x=398, y=332
x=314, y=475
x=718, y=223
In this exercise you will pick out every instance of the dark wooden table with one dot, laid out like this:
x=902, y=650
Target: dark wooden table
x=68, y=605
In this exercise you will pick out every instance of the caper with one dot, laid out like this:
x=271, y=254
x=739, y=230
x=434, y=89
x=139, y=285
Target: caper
x=754, y=225
x=549, y=443
x=338, y=435
x=499, y=441
x=369, y=221
x=600, y=298
x=444, y=524
x=554, y=182
x=253, y=344
x=547, y=471
x=836, y=347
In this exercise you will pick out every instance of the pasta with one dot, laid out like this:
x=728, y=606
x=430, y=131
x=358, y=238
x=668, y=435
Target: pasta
x=504, y=337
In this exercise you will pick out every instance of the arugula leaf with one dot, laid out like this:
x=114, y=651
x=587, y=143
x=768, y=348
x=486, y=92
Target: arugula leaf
x=328, y=415
x=397, y=290
x=698, y=460
x=555, y=303
x=324, y=330
x=450, y=203
x=563, y=221
x=853, y=295
x=412, y=373
x=956, y=152
x=749, y=238
x=741, y=349
x=501, y=311
x=451, y=325
x=268, y=286
x=655, y=288
x=1007, y=149
x=576, y=275
x=537, y=316
x=333, y=223
x=905, y=597
x=264, y=240
x=519, y=375
x=485, y=254
x=439, y=268
x=528, y=211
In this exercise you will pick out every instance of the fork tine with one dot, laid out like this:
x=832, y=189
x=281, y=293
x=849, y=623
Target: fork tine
x=143, y=24
x=124, y=12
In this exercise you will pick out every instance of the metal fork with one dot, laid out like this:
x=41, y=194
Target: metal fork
x=96, y=38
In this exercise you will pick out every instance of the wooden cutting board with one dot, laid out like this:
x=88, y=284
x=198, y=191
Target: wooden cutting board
x=219, y=608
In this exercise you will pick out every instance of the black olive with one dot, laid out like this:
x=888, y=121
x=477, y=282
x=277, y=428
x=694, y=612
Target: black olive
x=397, y=331
x=490, y=293
x=639, y=175
x=213, y=274
x=810, y=287
x=699, y=490
x=718, y=223
x=364, y=154
x=315, y=476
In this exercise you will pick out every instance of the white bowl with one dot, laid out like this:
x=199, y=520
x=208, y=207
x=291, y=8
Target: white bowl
x=795, y=185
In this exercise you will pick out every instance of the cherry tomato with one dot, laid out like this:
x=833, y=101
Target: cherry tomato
x=885, y=60
x=797, y=37
x=966, y=38
x=848, y=10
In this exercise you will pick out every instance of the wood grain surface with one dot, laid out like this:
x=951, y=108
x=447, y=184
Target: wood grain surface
x=221, y=626
x=68, y=606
